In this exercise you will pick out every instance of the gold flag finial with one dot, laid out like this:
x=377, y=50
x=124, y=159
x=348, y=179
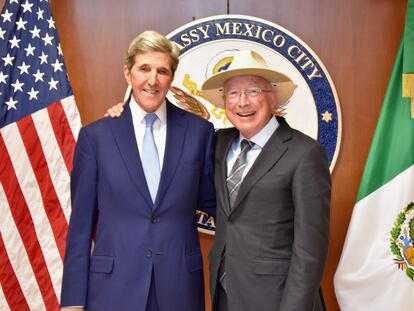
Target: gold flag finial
x=408, y=89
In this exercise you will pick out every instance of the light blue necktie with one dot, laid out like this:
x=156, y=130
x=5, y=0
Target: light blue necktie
x=150, y=159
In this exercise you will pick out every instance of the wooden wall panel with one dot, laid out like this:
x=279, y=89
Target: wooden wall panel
x=356, y=40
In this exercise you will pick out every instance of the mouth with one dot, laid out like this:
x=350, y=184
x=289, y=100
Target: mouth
x=246, y=114
x=151, y=92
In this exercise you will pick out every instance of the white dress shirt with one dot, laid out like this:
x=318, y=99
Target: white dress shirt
x=259, y=140
x=159, y=128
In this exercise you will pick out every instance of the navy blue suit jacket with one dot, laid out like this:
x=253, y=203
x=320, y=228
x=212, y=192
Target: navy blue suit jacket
x=133, y=236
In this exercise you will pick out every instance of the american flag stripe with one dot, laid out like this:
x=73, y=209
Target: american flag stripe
x=63, y=134
x=11, y=290
x=26, y=176
x=24, y=199
x=20, y=162
x=72, y=115
x=59, y=174
x=41, y=171
x=3, y=301
x=19, y=280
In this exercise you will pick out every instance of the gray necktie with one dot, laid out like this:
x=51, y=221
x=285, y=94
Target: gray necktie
x=150, y=159
x=235, y=177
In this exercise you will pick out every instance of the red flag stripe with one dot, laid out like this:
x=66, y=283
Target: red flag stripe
x=57, y=166
x=63, y=133
x=3, y=301
x=31, y=192
x=50, y=200
x=25, y=226
x=18, y=257
x=9, y=283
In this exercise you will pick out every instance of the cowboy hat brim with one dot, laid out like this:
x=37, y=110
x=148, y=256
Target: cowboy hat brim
x=212, y=88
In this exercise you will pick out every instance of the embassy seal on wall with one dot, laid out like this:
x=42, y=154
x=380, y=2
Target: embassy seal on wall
x=207, y=46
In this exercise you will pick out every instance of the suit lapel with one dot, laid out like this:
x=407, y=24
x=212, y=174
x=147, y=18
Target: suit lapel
x=176, y=131
x=124, y=134
x=224, y=142
x=270, y=155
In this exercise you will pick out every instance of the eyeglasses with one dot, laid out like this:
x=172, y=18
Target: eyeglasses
x=250, y=92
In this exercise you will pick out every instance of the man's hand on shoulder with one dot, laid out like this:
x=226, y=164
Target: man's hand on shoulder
x=115, y=111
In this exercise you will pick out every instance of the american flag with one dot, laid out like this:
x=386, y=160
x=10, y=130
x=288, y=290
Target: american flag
x=39, y=124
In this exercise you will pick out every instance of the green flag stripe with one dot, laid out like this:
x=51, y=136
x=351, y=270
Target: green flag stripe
x=392, y=149
x=408, y=65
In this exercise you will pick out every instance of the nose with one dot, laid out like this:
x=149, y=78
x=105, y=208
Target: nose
x=153, y=78
x=243, y=100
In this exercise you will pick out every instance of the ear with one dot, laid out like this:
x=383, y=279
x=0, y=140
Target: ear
x=127, y=74
x=273, y=96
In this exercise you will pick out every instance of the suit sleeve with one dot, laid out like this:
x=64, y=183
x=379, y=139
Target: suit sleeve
x=207, y=197
x=81, y=226
x=311, y=191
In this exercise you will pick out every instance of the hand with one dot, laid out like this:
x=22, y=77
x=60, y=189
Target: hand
x=115, y=111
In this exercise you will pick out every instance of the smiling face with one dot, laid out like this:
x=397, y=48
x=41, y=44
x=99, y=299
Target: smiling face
x=150, y=78
x=249, y=114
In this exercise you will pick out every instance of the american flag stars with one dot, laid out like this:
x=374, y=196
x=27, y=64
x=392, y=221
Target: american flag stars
x=31, y=61
x=40, y=14
x=21, y=24
x=11, y=104
x=7, y=16
x=35, y=32
x=27, y=7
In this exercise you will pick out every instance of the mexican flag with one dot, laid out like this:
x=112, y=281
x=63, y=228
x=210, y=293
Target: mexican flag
x=376, y=269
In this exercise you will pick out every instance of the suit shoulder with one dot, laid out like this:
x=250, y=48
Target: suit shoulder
x=94, y=124
x=305, y=146
x=304, y=137
x=299, y=143
x=285, y=132
x=98, y=125
x=196, y=120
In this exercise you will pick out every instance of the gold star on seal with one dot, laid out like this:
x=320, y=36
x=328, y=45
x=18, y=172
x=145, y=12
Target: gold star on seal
x=326, y=116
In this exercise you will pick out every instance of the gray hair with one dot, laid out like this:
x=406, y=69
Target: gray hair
x=152, y=41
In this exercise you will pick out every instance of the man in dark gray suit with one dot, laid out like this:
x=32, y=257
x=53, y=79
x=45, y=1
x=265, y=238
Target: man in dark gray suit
x=273, y=194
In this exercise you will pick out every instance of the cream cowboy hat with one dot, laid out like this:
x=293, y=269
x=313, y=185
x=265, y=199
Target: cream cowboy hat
x=247, y=63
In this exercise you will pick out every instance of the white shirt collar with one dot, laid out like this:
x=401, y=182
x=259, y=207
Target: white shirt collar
x=261, y=138
x=140, y=113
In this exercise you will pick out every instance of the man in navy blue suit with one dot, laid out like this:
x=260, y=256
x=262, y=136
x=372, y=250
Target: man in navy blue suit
x=137, y=181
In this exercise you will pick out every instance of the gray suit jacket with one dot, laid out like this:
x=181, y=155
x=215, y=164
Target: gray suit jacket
x=275, y=239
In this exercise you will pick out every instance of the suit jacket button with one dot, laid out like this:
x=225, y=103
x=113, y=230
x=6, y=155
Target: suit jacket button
x=154, y=220
x=149, y=253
